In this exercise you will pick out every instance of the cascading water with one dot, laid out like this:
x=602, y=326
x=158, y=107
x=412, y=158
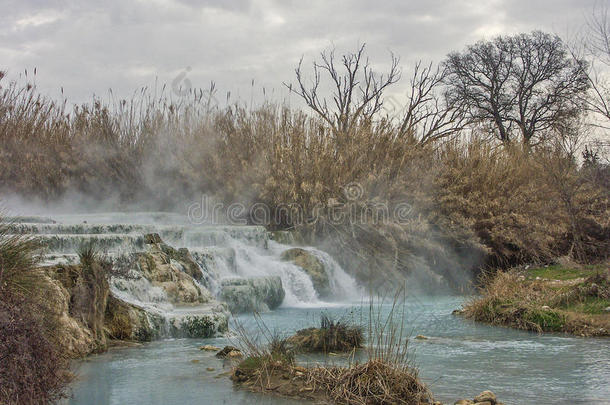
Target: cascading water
x=239, y=257
x=343, y=286
x=222, y=252
x=252, y=261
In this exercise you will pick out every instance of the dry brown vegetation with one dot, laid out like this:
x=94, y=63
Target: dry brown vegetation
x=577, y=305
x=331, y=336
x=35, y=366
x=48, y=316
x=474, y=201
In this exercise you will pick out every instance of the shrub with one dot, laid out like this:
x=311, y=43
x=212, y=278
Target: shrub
x=34, y=369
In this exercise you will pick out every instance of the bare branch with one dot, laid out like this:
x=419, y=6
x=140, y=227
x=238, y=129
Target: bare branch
x=428, y=116
x=356, y=90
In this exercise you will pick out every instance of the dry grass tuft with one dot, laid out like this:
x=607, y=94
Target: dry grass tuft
x=374, y=382
x=331, y=336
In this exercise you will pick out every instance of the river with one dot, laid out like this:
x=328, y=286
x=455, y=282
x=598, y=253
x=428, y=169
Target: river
x=458, y=360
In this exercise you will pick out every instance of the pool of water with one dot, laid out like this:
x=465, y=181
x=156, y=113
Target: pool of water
x=458, y=360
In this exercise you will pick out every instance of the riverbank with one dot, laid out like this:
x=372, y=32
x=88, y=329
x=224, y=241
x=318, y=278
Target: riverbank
x=567, y=298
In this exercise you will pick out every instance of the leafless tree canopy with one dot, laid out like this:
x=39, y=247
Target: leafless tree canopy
x=521, y=85
x=429, y=116
x=598, y=38
x=595, y=45
x=357, y=93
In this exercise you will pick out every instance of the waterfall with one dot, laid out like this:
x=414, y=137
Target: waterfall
x=253, y=261
x=343, y=286
x=222, y=252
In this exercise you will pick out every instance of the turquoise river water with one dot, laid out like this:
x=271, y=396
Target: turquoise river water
x=458, y=360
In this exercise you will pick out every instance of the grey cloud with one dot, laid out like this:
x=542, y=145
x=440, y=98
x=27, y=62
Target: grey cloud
x=127, y=44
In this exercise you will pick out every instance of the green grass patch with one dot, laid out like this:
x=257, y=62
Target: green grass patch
x=591, y=305
x=548, y=320
x=577, y=308
x=558, y=272
x=251, y=363
x=255, y=362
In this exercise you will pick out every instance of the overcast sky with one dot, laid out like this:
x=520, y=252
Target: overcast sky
x=88, y=47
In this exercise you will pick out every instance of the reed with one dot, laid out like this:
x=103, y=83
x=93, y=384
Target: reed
x=506, y=204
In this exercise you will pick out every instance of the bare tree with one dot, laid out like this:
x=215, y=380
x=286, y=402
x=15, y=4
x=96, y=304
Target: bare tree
x=428, y=115
x=357, y=91
x=598, y=38
x=521, y=85
x=595, y=45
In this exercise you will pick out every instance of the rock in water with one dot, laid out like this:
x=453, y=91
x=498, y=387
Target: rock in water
x=75, y=338
x=196, y=313
x=229, y=351
x=486, y=396
x=125, y=321
x=171, y=270
x=312, y=266
x=203, y=325
x=209, y=348
x=252, y=294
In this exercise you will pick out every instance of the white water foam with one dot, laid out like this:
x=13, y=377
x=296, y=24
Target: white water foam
x=221, y=252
